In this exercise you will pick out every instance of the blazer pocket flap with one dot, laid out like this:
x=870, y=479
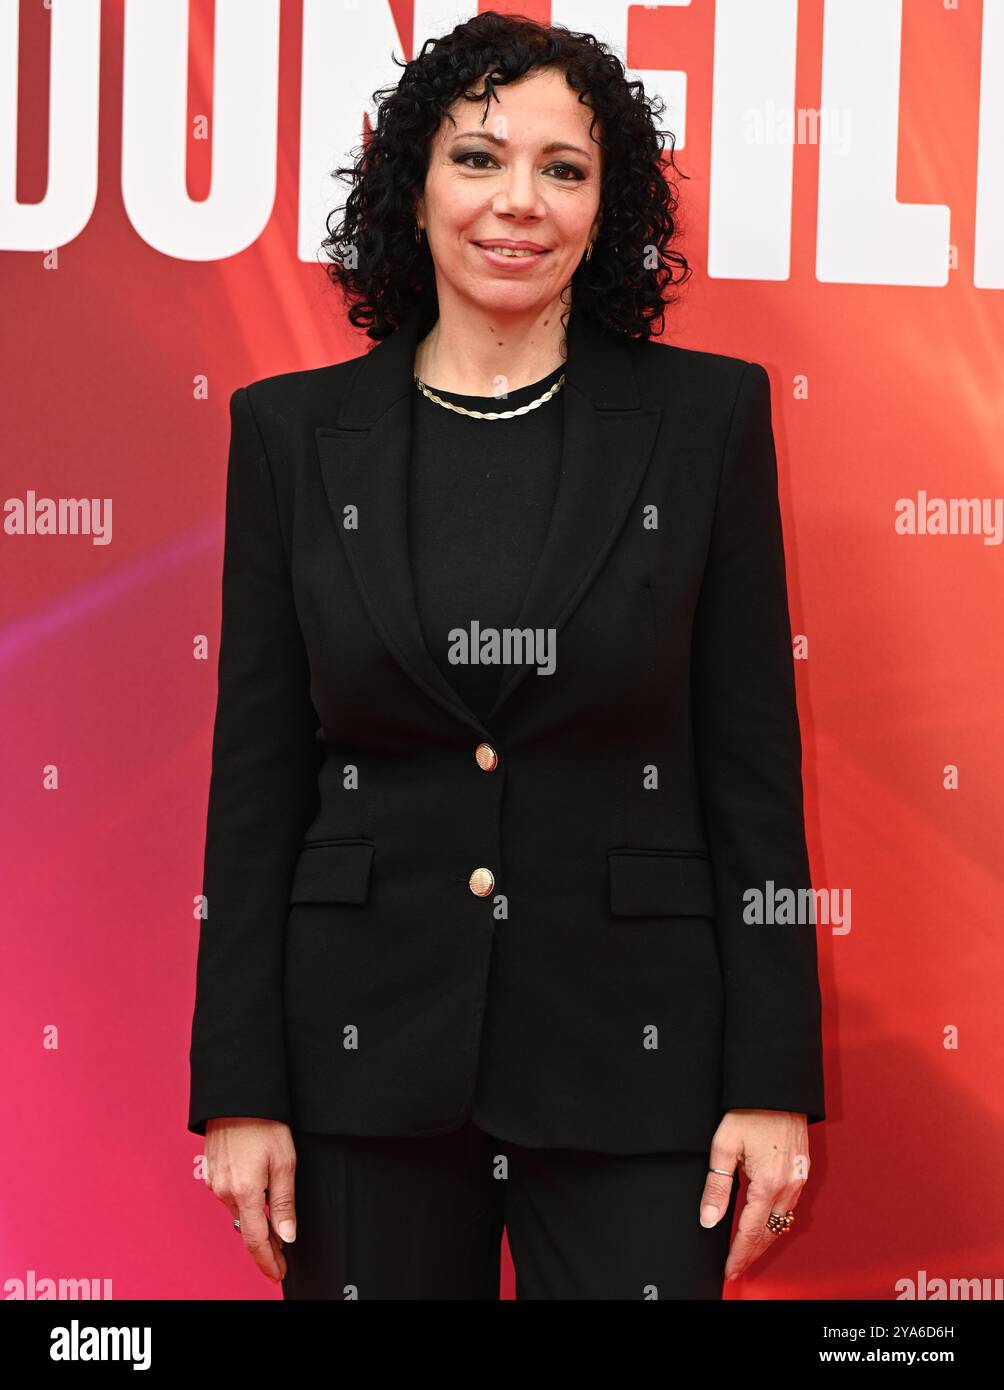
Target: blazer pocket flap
x=338, y=872
x=660, y=883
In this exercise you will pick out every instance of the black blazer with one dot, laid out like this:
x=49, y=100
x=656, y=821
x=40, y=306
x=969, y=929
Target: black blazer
x=606, y=991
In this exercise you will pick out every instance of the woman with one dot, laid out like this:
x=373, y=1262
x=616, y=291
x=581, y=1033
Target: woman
x=506, y=743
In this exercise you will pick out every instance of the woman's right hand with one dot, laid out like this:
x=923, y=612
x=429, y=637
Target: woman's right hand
x=250, y=1162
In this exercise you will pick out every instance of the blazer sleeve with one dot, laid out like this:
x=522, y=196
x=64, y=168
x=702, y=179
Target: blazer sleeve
x=262, y=795
x=749, y=757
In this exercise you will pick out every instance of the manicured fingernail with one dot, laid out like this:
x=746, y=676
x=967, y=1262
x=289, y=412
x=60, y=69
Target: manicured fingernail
x=287, y=1231
x=731, y=1277
x=709, y=1215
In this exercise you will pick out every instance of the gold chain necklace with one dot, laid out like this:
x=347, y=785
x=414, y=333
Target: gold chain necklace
x=492, y=414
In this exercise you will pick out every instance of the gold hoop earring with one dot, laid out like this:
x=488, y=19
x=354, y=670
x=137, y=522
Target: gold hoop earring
x=589, y=250
x=418, y=234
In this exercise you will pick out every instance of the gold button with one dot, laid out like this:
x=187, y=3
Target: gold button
x=488, y=759
x=482, y=881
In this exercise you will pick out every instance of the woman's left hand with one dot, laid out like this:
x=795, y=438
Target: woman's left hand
x=773, y=1147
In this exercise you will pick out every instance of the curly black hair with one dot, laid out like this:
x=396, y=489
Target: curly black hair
x=384, y=273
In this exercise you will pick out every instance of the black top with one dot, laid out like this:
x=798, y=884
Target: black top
x=480, y=498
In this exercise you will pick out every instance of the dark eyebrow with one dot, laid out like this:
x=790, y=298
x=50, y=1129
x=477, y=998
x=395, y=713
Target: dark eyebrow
x=552, y=148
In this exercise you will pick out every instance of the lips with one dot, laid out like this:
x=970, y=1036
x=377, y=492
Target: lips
x=510, y=258
x=521, y=250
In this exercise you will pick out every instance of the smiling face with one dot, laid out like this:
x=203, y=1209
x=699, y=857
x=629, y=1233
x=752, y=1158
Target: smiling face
x=510, y=205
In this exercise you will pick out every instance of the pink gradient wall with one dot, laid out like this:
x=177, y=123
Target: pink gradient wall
x=900, y=675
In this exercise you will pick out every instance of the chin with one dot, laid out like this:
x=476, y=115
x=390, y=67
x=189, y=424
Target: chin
x=493, y=298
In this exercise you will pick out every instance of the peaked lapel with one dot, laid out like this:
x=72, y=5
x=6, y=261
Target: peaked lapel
x=607, y=441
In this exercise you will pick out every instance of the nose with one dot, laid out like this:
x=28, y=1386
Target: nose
x=519, y=195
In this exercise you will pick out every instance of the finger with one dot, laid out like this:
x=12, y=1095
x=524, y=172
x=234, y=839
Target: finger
x=280, y=1258
x=235, y=1213
x=281, y=1205
x=257, y=1237
x=760, y=1193
x=274, y=1240
x=715, y=1196
x=718, y=1186
x=785, y=1200
x=228, y=1202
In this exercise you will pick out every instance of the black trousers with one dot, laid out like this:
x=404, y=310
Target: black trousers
x=394, y=1218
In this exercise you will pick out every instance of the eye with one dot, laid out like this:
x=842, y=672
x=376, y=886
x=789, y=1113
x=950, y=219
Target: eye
x=472, y=154
x=576, y=174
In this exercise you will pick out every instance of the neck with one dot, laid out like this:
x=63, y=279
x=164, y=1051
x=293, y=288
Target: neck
x=469, y=349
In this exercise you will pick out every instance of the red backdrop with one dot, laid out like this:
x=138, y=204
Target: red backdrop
x=882, y=391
